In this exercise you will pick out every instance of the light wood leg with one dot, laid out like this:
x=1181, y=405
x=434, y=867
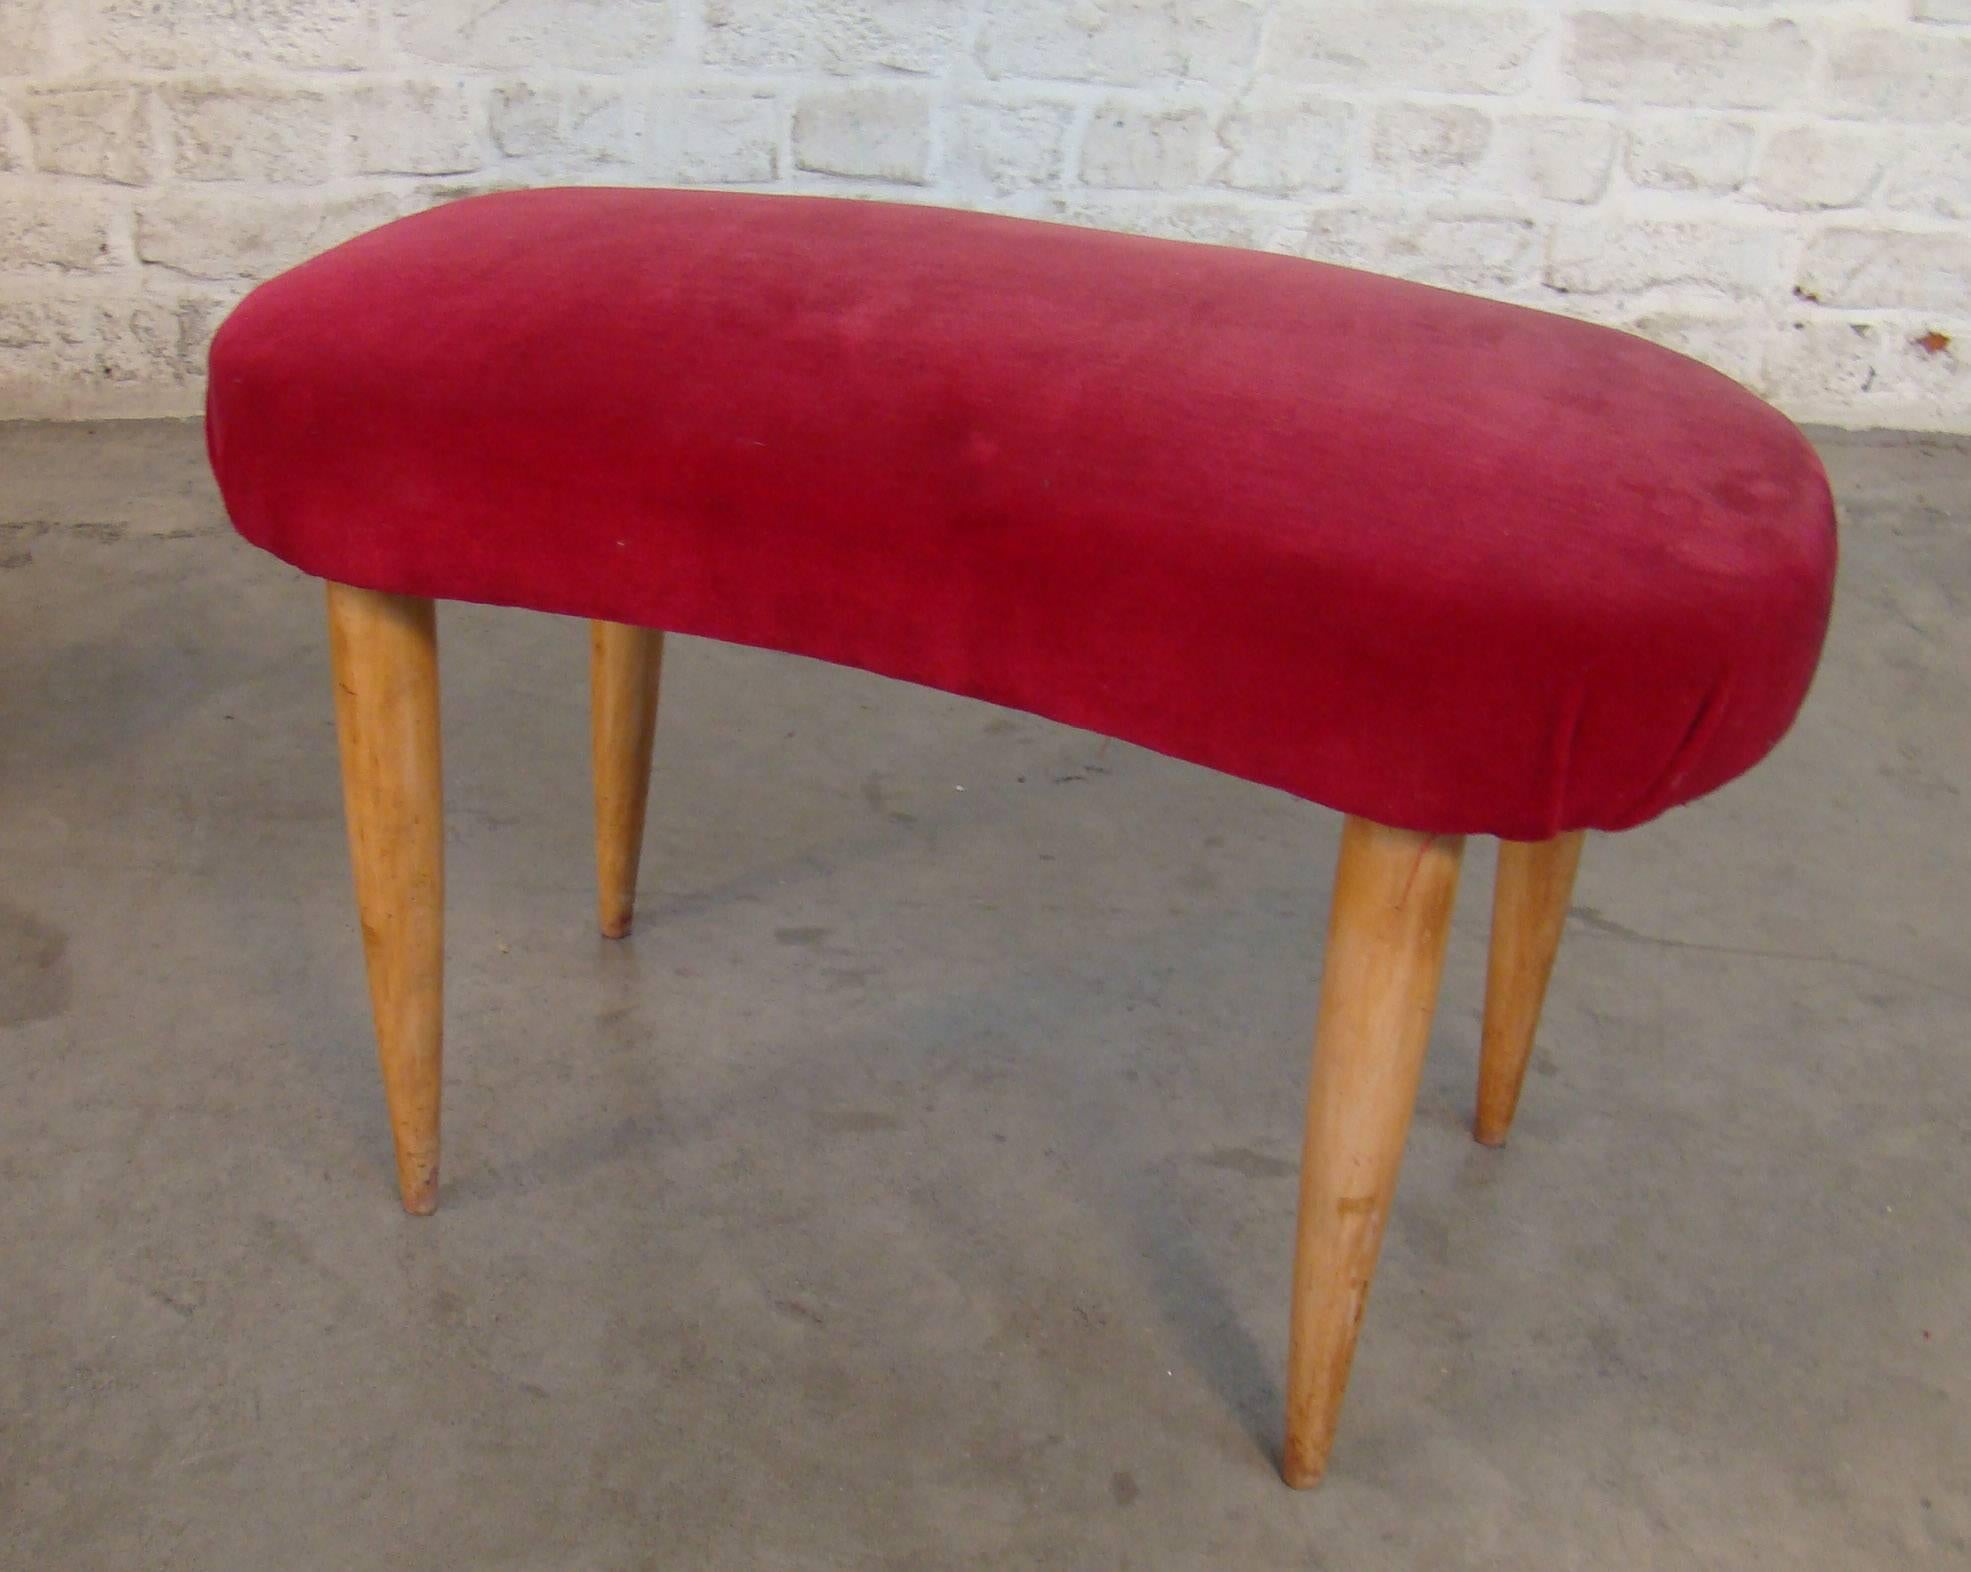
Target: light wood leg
x=385, y=654
x=1391, y=915
x=1529, y=908
x=624, y=667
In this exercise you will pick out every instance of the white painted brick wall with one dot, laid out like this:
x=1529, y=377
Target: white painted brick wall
x=1783, y=190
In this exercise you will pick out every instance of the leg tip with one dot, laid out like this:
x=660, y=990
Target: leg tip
x=1303, y=1460
x=1486, y=1135
x=421, y=1195
x=1302, y=1475
x=616, y=925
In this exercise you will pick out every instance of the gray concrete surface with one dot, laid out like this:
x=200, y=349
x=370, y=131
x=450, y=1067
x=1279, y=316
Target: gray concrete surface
x=914, y=1190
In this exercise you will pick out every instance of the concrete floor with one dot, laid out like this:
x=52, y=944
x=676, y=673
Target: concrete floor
x=915, y=1189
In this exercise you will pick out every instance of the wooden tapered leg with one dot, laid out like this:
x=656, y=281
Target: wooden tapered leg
x=1529, y=908
x=385, y=654
x=624, y=666
x=1391, y=914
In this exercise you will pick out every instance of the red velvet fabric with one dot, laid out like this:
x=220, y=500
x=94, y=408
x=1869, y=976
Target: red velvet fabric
x=1449, y=564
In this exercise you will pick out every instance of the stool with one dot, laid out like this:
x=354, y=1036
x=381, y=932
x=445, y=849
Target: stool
x=1449, y=566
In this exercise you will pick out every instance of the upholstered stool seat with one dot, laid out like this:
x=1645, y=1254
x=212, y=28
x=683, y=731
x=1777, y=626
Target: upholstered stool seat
x=1446, y=565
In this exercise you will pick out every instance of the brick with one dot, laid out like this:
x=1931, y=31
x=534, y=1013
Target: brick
x=1684, y=152
x=55, y=229
x=26, y=48
x=1900, y=75
x=1231, y=221
x=1468, y=252
x=1141, y=148
x=168, y=35
x=1285, y=146
x=412, y=128
x=1734, y=344
x=1473, y=251
x=1639, y=59
x=1597, y=256
x=1426, y=147
x=711, y=140
x=1931, y=173
x=878, y=133
x=571, y=122
x=136, y=344
x=1120, y=42
x=578, y=35
x=1565, y=158
x=1012, y=147
x=219, y=234
x=1820, y=365
x=54, y=354
x=101, y=132
x=200, y=311
x=245, y=130
x=1818, y=167
x=1929, y=366
x=1873, y=269
x=917, y=36
x=436, y=193
x=1412, y=45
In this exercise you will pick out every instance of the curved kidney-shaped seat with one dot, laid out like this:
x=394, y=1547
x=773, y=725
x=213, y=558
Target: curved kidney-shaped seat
x=1447, y=565
x=1444, y=563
